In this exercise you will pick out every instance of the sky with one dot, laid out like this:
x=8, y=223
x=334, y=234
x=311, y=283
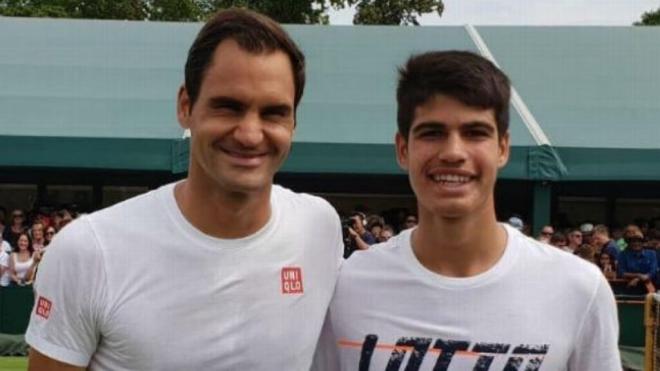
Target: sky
x=530, y=12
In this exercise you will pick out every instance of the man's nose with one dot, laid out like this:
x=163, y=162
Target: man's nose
x=249, y=131
x=453, y=150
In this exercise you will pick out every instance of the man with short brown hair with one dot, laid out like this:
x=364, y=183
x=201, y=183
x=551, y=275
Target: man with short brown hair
x=212, y=272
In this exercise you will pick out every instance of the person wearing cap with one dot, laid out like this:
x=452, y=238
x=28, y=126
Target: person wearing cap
x=586, y=229
x=516, y=223
x=637, y=265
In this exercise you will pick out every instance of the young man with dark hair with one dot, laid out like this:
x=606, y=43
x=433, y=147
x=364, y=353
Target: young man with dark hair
x=462, y=291
x=210, y=273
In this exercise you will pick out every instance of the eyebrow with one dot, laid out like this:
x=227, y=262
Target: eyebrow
x=465, y=126
x=225, y=101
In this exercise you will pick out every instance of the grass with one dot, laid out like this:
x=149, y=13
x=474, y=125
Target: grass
x=13, y=363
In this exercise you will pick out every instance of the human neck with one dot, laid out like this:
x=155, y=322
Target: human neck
x=461, y=247
x=220, y=213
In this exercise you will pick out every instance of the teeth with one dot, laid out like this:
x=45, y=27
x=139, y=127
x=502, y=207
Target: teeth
x=450, y=178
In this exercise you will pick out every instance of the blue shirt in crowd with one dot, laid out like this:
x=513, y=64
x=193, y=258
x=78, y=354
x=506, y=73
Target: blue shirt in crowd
x=612, y=249
x=644, y=261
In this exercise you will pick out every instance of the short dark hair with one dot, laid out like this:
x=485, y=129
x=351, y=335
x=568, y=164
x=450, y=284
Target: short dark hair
x=30, y=247
x=465, y=76
x=254, y=32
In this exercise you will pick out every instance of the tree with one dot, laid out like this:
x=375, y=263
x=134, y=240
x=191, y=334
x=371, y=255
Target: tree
x=286, y=11
x=394, y=12
x=100, y=9
x=157, y=10
x=650, y=18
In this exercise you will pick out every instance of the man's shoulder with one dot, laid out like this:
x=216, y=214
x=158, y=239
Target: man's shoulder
x=562, y=267
x=379, y=256
x=135, y=206
x=291, y=200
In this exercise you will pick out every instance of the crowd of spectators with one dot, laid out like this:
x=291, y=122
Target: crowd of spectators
x=628, y=256
x=362, y=230
x=25, y=239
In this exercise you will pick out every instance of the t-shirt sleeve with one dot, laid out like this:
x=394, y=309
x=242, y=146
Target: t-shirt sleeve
x=326, y=357
x=596, y=347
x=69, y=290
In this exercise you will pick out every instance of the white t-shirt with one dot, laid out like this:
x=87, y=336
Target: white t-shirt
x=5, y=246
x=137, y=287
x=20, y=267
x=536, y=308
x=5, y=277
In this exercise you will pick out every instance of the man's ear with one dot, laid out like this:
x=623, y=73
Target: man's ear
x=401, y=144
x=183, y=107
x=504, y=150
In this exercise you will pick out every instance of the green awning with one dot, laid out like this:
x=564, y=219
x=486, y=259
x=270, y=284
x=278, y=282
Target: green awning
x=594, y=91
x=101, y=95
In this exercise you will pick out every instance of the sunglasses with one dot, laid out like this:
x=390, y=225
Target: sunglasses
x=631, y=240
x=50, y=232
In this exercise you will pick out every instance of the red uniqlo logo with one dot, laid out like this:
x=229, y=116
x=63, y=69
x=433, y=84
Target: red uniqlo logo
x=43, y=307
x=292, y=281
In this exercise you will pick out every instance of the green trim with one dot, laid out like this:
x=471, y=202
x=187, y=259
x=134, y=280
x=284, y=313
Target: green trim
x=87, y=153
x=611, y=163
x=545, y=163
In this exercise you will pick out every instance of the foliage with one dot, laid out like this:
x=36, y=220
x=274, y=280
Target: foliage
x=650, y=18
x=391, y=12
x=286, y=11
x=394, y=12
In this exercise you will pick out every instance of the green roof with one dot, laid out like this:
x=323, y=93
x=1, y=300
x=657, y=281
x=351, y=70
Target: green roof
x=594, y=90
x=101, y=94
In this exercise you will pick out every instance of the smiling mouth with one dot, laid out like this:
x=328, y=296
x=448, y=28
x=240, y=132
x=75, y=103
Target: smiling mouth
x=243, y=154
x=453, y=180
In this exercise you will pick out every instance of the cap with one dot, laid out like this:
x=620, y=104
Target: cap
x=516, y=223
x=587, y=228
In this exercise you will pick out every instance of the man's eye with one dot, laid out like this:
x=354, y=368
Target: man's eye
x=477, y=133
x=276, y=113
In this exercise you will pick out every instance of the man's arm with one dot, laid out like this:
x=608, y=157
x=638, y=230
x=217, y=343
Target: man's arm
x=12, y=270
x=66, y=321
x=40, y=362
x=596, y=348
x=359, y=242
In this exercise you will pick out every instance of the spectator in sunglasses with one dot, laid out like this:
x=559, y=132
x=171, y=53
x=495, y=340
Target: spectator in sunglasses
x=50, y=233
x=546, y=233
x=636, y=265
x=574, y=240
x=15, y=228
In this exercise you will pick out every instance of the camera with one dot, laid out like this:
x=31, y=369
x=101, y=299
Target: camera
x=349, y=243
